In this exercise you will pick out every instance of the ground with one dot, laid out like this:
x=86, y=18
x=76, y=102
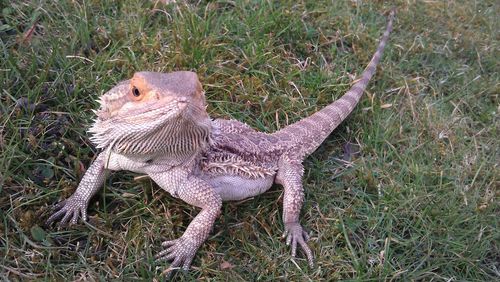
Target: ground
x=405, y=189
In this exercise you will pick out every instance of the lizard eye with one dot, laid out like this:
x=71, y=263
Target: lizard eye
x=136, y=92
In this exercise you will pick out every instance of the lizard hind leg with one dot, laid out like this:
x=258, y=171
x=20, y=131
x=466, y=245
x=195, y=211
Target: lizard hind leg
x=289, y=175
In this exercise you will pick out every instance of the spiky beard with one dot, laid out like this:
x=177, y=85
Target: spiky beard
x=163, y=130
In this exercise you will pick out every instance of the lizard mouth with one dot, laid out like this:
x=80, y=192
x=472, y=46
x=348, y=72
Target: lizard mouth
x=156, y=110
x=152, y=118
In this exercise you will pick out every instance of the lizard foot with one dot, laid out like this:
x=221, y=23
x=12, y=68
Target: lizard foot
x=71, y=208
x=294, y=234
x=180, y=251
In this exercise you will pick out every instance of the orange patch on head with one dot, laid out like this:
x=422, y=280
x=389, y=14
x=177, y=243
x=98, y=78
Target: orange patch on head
x=139, y=89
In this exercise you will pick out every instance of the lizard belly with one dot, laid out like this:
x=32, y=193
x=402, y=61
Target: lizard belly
x=234, y=188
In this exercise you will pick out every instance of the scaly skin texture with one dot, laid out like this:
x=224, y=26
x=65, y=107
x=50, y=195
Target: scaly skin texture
x=156, y=124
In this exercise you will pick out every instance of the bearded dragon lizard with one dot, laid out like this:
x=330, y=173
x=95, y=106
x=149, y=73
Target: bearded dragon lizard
x=157, y=124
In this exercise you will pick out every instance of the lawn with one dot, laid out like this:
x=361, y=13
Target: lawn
x=405, y=189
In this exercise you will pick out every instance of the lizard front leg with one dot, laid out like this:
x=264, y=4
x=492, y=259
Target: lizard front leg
x=290, y=176
x=196, y=192
x=76, y=205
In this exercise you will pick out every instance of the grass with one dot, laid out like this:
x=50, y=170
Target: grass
x=405, y=189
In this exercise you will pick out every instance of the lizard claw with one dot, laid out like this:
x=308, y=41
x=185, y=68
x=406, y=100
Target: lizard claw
x=294, y=234
x=180, y=251
x=70, y=210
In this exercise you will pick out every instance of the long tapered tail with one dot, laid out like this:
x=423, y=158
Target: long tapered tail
x=310, y=132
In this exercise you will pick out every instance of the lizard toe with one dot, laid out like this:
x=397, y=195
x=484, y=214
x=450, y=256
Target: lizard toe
x=168, y=243
x=65, y=218
x=70, y=210
x=181, y=251
x=297, y=236
x=74, y=220
x=60, y=204
x=55, y=216
x=165, y=257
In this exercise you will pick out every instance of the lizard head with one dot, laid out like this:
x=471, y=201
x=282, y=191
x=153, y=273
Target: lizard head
x=147, y=92
x=140, y=107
